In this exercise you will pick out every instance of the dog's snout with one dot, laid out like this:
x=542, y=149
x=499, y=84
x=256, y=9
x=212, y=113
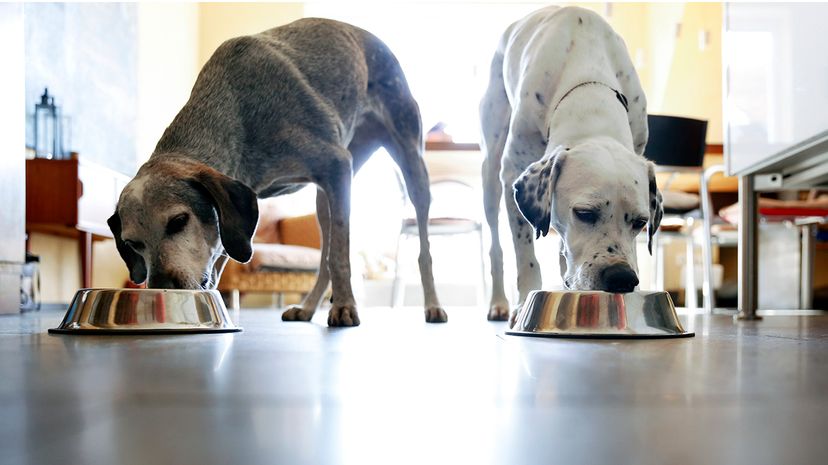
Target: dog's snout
x=164, y=282
x=618, y=278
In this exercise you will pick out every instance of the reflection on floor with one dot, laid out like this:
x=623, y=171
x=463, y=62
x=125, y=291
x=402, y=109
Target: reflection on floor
x=397, y=390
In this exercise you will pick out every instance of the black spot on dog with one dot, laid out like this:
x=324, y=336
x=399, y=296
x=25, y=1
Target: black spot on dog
x=637, y=98
x=636, y=181
x=607, y=202
x=595, y=256
x=589, y=265
x=610, y=250
x=626, y=217
x=541, y=191
x=531, y=265
x=539, y=98
x=618, y=74
x=580, y=20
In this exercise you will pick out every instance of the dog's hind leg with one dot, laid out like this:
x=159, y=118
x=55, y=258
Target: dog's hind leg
x=495, y=112
x=305, y=311
x=407, y=153
x=417, y=184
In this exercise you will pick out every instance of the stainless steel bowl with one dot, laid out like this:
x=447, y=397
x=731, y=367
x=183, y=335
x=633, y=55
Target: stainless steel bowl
x=596, y=314
x=146, y=311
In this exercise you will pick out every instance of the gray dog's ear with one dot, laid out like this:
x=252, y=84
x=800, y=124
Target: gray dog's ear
x=656, y=208
x=238, y=211
x=534, y=190
x=134, y=262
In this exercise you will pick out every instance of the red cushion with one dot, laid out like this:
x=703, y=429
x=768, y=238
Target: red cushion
x=792, y=211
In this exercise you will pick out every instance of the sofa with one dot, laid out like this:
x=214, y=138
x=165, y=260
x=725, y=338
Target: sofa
x=286, y=254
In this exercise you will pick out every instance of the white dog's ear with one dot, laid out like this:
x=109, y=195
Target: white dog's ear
x=238, y=211
x=656, y=208
x=534, y=190
x=134, y=262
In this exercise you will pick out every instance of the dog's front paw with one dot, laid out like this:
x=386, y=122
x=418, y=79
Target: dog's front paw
x=498, y=313
x=343, y=315
x=297, y=313
x=436, y=315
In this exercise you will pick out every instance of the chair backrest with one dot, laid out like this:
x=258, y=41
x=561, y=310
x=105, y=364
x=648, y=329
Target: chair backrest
x=676, y=141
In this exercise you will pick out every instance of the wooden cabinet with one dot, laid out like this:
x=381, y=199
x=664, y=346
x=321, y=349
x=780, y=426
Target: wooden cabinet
x=72, y=199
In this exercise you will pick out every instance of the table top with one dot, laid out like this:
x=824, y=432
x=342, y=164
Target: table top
x=398, y=390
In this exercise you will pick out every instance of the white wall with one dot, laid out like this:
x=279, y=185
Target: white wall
x=167, y=68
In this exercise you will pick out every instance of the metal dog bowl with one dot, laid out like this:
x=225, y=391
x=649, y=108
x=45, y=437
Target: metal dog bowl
x=597, y=314
x=146, y=311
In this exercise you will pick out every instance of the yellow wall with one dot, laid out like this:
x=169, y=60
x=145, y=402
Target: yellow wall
x=678, y=76
x=221, y=21
x=694, y=79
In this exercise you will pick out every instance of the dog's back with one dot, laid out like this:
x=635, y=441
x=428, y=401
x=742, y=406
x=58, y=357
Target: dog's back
x=319, y=75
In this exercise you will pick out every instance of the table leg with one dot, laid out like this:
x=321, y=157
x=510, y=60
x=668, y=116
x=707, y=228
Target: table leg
x=85, y=246
x=748, y=250
x=806, y=273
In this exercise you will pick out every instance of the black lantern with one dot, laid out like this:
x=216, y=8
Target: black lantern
x=47, y=128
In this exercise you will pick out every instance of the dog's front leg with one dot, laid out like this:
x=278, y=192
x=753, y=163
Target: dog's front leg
x=528, y=270
x=311, y=302
x=337, y=187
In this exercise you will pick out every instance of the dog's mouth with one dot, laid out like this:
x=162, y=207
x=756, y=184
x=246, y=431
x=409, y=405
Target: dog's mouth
x=210, y=279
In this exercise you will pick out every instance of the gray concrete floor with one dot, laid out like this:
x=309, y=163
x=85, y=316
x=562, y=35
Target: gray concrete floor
x=397, y=390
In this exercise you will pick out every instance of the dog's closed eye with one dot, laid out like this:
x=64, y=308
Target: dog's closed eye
x=639, y=223
x=585, y=215
x=177, y=223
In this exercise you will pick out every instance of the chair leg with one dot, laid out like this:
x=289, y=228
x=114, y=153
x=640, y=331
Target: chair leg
x=690, y=300
x=658, y=275
x=708, y=292
x=397, y=287
x=806, y=274
x=481, y=296
x=656, y=266
x=235, y=299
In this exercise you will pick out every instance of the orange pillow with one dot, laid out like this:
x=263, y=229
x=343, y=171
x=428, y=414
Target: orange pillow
x=300, y=230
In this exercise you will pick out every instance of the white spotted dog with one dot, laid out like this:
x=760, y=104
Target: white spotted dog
x=564, y=125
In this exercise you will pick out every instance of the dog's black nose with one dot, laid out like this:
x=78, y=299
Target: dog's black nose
x=164, y=282
x=618, y=278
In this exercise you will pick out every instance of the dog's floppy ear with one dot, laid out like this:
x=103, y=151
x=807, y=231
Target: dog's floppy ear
x=134, y=262
x=534, y=190
x=238, y=212
x=656, y=208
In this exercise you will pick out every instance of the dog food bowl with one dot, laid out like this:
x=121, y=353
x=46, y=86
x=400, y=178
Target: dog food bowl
x=596, y=314
x=146, y=311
